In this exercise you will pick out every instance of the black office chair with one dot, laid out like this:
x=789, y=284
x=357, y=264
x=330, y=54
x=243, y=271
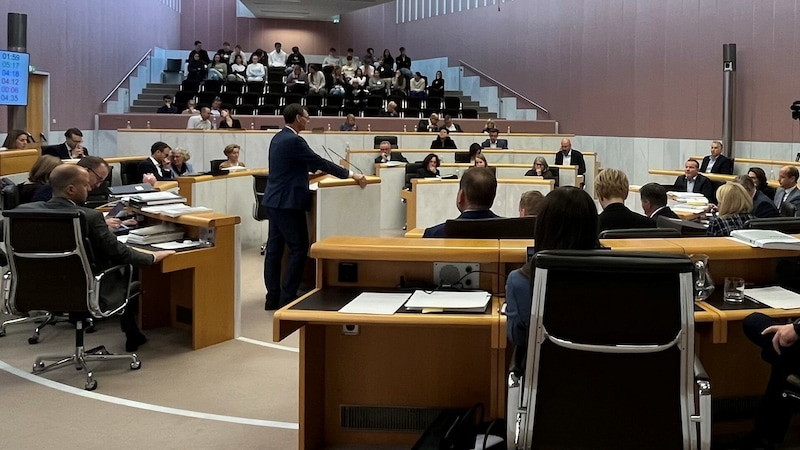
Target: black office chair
x=789, y=225
x=496, y=228
x=215, y=163
x=260, y=212
x=788, y=210
x=411, y=172
x=129, y=172
x=640, y=360
x=636, y=233
x=51, y=269
x=392, y=140
x=686, y=228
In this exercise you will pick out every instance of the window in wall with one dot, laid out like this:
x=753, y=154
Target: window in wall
x=409, y=10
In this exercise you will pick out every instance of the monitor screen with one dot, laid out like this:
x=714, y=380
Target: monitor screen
x=14, y=78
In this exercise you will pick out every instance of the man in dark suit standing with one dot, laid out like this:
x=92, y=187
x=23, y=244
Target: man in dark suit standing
x=717, y=162
x=694, y=181
x=287, y=199
x=568, y=156
x=494, y=142
x=388, y=155
x=71, y=148
x=157, y=163
x=788, y=192
x=71, y=184
x=476, y=192
x=654, y=201
x=762, y=205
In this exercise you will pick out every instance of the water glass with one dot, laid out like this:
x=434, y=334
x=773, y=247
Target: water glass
x=734, y=290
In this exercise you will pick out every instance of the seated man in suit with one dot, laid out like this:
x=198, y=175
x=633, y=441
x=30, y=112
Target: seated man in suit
x=529, y=203
x=450, y=125
x=654, y=201
x=762, y=205
x=568, y=156
x=494, y=142
x=476, y=192
x=612, y=190
x=71, y=148
x=717, y=162
x=388, y=155
x=432, y=124
x=787, y=178
x=157, y=164
x=71, y=184
x=694, y=181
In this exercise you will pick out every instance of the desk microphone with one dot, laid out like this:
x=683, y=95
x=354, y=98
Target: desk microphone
x=340, y=158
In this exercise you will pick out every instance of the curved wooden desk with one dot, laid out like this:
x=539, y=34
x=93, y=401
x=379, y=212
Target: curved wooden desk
x=17, y=161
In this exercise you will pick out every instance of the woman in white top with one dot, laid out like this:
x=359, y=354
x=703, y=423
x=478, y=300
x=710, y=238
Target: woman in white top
x=232, y=153
x=256, y=70
x=238, y=69
x=359, y=83
x=417, y=86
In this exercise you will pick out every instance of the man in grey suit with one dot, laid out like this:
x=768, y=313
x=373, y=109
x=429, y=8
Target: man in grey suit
x=494, y=142
x=787, y=178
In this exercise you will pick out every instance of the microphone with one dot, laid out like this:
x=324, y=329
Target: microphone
x=340, y=157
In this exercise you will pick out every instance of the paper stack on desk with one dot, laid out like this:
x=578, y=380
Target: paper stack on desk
x=449, y=301
x=155, y=198
x=375, y=303
x=154, y=235
x=774, y=297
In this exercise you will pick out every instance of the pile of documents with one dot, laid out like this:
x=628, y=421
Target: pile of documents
x=155, y=198
x=155, y=234
x=419, y=301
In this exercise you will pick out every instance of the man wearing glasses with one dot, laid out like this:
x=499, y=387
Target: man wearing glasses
x=287, y=198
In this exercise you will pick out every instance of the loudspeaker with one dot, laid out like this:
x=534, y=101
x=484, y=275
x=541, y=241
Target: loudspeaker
x=458, y=275
x=729, y=54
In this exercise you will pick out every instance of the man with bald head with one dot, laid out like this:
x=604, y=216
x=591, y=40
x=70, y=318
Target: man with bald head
x=568, y=156
x=476, y=191
x=71, y=185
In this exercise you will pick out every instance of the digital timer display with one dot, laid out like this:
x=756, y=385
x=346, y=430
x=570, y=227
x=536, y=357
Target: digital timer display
x=14, y=78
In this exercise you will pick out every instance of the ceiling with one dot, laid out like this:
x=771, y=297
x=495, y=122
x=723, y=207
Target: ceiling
x=322, y=10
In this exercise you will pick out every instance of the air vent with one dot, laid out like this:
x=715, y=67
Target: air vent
x=387, y=418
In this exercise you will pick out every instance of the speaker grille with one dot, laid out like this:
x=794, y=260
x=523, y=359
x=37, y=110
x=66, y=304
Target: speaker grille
x=387, y=418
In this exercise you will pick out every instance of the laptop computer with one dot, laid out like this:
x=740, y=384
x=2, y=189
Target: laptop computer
x=129, y=189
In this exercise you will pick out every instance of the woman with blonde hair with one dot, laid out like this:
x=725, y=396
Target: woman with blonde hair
x=488, y=126
x=232, y=153
x=180, y=166
x=735, y=206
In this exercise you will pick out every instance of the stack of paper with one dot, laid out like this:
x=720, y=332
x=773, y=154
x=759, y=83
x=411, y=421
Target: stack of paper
x=774, y=297
x=375, y=303
x=766, y=239
x=449, y=301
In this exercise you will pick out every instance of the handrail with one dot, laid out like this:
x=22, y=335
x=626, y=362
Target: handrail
x=540, y=107
x=135, y=66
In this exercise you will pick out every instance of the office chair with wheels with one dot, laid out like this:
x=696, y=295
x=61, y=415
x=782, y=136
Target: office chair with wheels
x=640, y=359
x=51, y=268
x=260, y=212
x=789, y=225
x=496, y=228
x=636, y=233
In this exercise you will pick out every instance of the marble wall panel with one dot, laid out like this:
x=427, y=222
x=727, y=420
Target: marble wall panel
x=336, y=216
x=436, y=202
x=393, y=210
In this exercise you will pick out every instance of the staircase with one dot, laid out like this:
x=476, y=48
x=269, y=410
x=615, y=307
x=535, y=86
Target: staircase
x=152, y=96
x=468, y=103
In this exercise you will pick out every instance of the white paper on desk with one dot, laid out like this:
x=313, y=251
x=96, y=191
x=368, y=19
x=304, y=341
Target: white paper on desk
x=176, y=245
x=774, y=297
x=448, y=300
x=123, y=239
x=313, y=186
x=375, y=303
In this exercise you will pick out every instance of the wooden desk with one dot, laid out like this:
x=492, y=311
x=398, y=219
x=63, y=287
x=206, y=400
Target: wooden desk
x=713, y=176
x=17, y=161
x=197, y=290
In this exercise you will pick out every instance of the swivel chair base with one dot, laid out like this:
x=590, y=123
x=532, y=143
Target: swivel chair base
x=42, y=319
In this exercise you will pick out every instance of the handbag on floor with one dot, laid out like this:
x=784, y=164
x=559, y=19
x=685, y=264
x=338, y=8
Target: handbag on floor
x=462, y=429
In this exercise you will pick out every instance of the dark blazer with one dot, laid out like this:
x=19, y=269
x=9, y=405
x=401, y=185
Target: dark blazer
x=665, y=212
x=147, y=166
x=702, y=185
x=501, y=143
x=423, y=172
x=437, y=231
x=457, y=128
x=290, y=160
x=617, y=216
x=723, y=164
x=576, y=159
x=547, y=175
x=60, y=150
x=447, y=144
x=236, y=124
x=763, y=206
x=394, y=156
x=794, y=197
x=107, y=250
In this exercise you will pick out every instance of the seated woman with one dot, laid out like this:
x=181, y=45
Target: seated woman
x=232, y=153
x=238, y=70
x=359, y=83
x=218, y=69
x=255, y=70
x=759, y=178
x=196, y=68
x=398, y=84
x=489, y=125
x=443, y=141
x=179, y=159
x=735, y=206
x=227, y=119
x=430, y=167
x=16, y=140
x=38, y=176
x=480, y=161
x=566, y=220
x=349, y=124
x=541, y=169
x=417, y=86
x=436, y=89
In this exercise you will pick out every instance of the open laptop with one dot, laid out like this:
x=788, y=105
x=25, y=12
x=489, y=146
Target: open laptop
x=130, y=189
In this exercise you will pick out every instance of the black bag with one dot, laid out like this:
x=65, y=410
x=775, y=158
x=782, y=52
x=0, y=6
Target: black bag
x=459, y=429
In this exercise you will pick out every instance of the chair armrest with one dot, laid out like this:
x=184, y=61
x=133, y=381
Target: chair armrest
x=94, y=301
x=700, y=371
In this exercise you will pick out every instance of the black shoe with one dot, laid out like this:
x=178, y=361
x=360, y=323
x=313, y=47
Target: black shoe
x=271, y=305
x=133, y=342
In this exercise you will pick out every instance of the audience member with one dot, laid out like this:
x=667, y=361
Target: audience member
x=218, y=69
x=349, y=124
x=654, y=201
x=359, y=83
x=376, y=84
x=277, y=57
x=388, y=60
x=403, y=63
x=154, y=165
x=568, y=156
x=476, y=192
x=191, y=108
x=231, y=152
x=237, y=51
x=225, y=53
x=735, y=205
x=349, y=68
x=386, y=72
x=716, y=162
x=350, y=55
x=296, y=59
x=694, y=181
x=529, y=203
x=488, y=126
x=98, y=172
x=369, y=57
x=443, y=141
x=238, y=70
x=542, y=169
x=436, y=89
x=399, y=84
x=297, y=81
x=198, y=50
x=368, y=70
x=567, y=220
x=38, y=176
x=388, y=155
x=216, y=107
x=201, y=121
x=759, y=178
x=475, y=149
x=331, y=61
x=316, y=81
x=179, y=162
x=416, y=87
x=787, y=178
x=493, y=141
x=391, y=110
x=612, y=190
x=480, y=161
x=430, y=167
x=16, y=140
x=196, y=68
x=338, y=82
x=450, y=125
x=71, y=148
x=762, y=205
x=227, y=120
x=432, y=124
x=255, y=70
x=167, y=107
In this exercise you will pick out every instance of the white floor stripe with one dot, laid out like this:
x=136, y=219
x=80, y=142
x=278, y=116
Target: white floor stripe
x=145, y=406
x=268, y=344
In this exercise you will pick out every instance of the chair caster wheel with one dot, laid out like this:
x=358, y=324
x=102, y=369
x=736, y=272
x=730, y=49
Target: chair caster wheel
x=2, y=333
x=91, y=385
x=37, y=366
x=90, y=329
x=33, y=340
x=136, y=365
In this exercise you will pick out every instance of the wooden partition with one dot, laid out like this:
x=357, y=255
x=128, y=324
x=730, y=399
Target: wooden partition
x=668, y=176
x=17, y=161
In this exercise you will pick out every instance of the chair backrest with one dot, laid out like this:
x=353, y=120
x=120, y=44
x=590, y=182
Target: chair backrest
x=633, y=233
x=173, y=65
x=9, y=194
x=610, y=331
x=790, y=225
x=686, y=228
x=259, y=187
x=215, y=163
x=392, y=140
x=129, y=172
x=411, y=172
x=495, y=228
x=788, y=210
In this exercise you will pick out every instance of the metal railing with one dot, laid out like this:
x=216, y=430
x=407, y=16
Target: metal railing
x=127, y=75
x=504, y=87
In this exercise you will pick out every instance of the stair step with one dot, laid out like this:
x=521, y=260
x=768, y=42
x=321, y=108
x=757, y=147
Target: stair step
x=163, y=85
